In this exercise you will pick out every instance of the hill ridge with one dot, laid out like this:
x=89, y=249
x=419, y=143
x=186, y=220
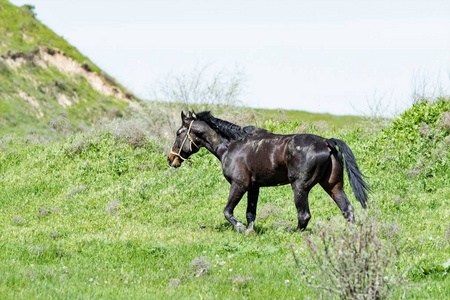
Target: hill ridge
x=42, y=76
x=45, y=57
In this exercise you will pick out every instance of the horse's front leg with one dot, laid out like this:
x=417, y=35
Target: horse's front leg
x=236, y=193
x=252, y=201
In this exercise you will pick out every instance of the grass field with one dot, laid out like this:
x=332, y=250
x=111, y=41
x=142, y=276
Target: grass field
x=90, y=209
x=98, y=214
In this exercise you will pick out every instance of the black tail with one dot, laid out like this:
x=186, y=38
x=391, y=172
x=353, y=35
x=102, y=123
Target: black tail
x=359, y=186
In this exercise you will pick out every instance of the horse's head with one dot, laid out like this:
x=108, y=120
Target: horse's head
x=186, y=143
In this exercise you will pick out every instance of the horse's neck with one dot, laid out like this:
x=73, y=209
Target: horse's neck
x=217, y=145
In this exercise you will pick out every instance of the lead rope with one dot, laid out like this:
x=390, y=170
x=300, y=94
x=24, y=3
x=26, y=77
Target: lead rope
x=188, y=136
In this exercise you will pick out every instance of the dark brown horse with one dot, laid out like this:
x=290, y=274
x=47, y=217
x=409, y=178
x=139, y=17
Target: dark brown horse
x=253, y=157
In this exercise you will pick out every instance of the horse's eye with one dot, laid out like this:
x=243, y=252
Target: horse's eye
x=180, y=131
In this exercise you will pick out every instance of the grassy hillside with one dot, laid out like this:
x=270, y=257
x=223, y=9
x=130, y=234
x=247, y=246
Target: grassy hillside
x=43, y=77
x=100, y=215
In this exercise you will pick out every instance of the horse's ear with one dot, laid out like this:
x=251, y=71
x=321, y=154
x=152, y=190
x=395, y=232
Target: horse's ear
x=190, y=115
x=183, y=116
x=194, y=115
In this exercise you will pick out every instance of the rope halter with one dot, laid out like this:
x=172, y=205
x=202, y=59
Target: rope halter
x=187, y=136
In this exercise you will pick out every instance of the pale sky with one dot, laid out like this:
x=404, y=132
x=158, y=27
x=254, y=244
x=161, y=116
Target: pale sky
x=319, y=56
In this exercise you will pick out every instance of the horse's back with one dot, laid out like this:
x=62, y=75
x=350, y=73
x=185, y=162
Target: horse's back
x=309, y=147
x=267, y=159
x=258, y=159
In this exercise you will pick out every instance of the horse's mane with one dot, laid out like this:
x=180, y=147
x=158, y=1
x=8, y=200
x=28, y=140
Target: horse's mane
x=225, y=128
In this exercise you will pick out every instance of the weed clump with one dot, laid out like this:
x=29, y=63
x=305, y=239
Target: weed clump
x=174, y=282
x=240, y=283
x=55, y=235
x=446, y=120
x=201, y=266
x=18, y=220
x=447, y=234
x=392, y=230
x=270, y=209
x=43, y=211
x=61, y=124
x=350, y=262
x=76, y=190
x=77, y=146
x=112, y=207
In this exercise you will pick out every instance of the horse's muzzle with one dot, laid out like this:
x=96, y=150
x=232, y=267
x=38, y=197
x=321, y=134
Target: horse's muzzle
x=174, y=161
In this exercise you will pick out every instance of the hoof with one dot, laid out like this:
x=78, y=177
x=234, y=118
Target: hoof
x=240, y=228
x=250, y=231
x=300, y=229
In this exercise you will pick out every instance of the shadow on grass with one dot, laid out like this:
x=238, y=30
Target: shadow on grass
x=259, y=230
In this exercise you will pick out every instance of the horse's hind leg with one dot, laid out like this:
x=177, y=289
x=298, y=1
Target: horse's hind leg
x=337, y=193
x=252, y=200
x=301, y=193
x=333, y=184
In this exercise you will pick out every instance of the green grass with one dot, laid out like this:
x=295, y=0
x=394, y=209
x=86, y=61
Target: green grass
x=90, y=216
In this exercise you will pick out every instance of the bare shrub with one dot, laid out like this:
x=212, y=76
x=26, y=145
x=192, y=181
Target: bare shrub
x=429, y=84
x=158, y=122
x=378, y=115
x=446, y=120
x=201, y=265
x=129, y=131
x=201, y=86
x=61, y=124
x=350, y=262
